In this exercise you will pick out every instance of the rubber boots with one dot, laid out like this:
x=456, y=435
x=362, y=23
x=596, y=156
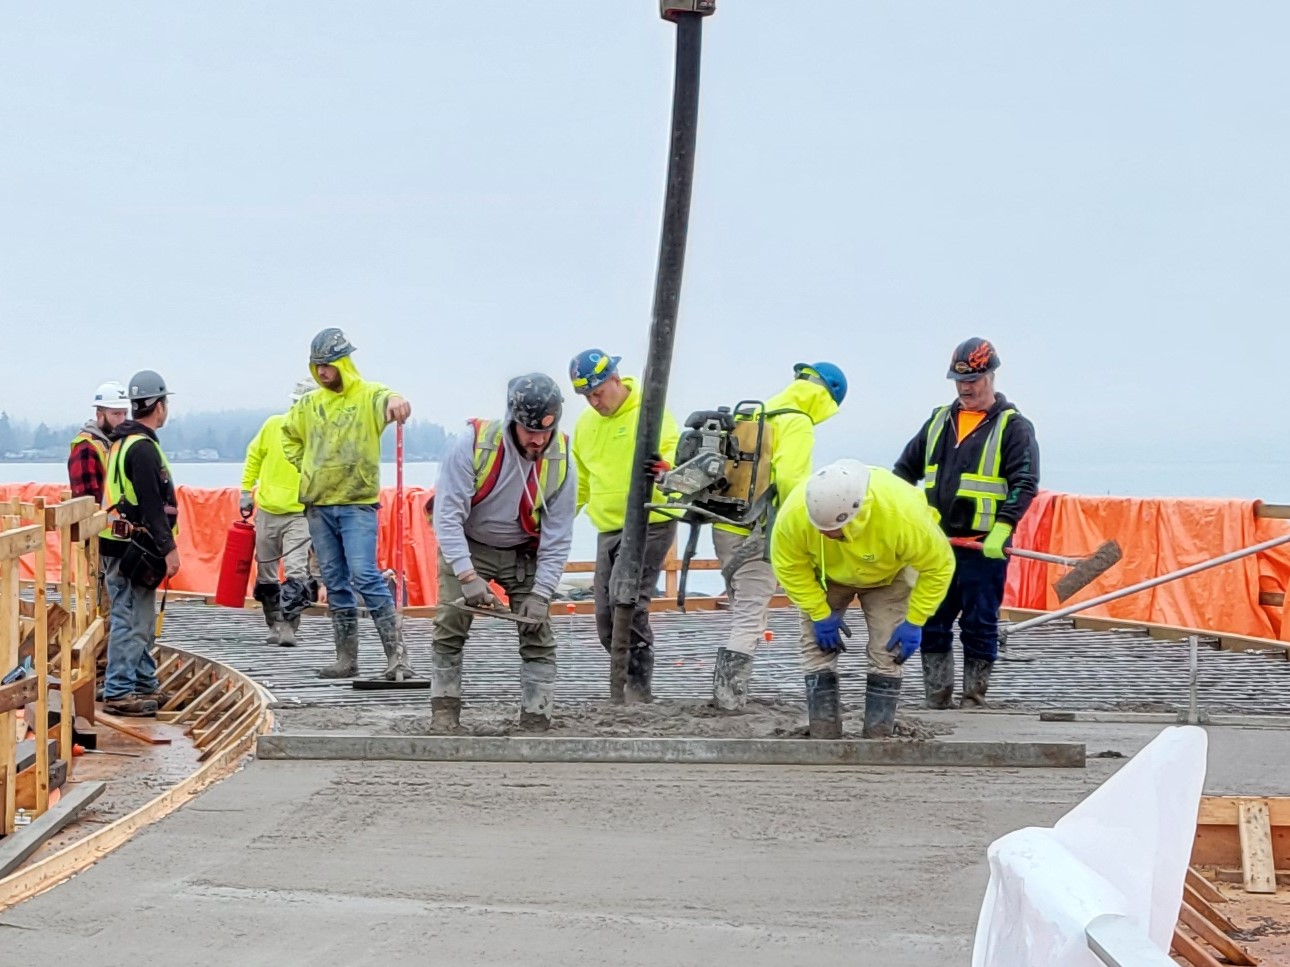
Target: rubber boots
x=390, y=627
x=344, y=629
x=287, y=629
x=881, y=696
x=270, y=598
x=640, y=674
x=537, y=695
x=823, y=707
x=445, y=691
x=938, y=679
x=730, y=679
x=976, y=681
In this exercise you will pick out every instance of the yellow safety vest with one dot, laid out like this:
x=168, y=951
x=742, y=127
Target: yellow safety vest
x=985, y=488
x=551, y=471
x=118, y=488
x=86, y=437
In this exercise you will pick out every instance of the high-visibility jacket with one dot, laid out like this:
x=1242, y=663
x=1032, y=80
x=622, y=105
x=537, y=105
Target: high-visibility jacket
x=278, y=490
x=119, y=492
x=551, y=471
x=98, y=442
x=895, y=529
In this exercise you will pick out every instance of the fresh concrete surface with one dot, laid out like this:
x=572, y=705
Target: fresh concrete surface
x=394, y=863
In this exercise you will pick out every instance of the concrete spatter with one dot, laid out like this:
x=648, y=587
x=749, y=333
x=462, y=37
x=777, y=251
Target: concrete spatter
x=692, y=719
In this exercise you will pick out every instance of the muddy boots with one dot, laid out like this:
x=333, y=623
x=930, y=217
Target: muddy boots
x=823, y=707
x=640, y=674
x=295, y=598
x=390, y=627
x=537, y=695
x=344, y=629
x=445, y=691
x=976, y=680
x=881, y=696
x=730, y=679
x=270, y=598
x=938, y=679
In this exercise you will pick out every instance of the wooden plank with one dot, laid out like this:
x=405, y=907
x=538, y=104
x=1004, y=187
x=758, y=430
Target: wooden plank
x=27, y=789
x=231, y=717
x=18, y=542
x=217, y=708
x=132, y=730
x=1214, y=916
x=15, y=849
x=1225, y=810
x=1175, y=633
x=167, y=680
x=1256, y=847
x=1202, y=886
x=187, y=690
x=8, y=659
x=1220, y=941
x=68, y=512
x=1192, y=952
x=18, y=694
x=42, y=676
x=66, y=684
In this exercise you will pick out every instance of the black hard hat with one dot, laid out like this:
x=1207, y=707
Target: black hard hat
x=147, y=385
x=534, y=402
x=328, y=346
x=973, y=359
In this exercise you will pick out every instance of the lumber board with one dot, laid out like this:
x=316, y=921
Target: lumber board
x=16, y=695
x=1206, y=931
x=132, y=730
x=1225, y=810
x=1192, y=952
x=27, y=790
x=1176, y=633
x=69, y=512
x=1256, y=848
x=16, y=848
x=1208, y=890
x=1216, y=917
x=19, y=541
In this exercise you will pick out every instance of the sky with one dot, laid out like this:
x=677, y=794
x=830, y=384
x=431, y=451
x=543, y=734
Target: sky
x=473, y=191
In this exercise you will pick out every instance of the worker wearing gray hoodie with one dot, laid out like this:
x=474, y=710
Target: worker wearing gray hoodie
x=503, y=512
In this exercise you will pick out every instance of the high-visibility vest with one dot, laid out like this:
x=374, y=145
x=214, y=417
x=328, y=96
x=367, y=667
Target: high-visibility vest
x=119, y=488
x=544, y=482
x=86, y=437
x=985, y=488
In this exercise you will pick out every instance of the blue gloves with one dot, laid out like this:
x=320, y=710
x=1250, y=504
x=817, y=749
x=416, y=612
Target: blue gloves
x=907, y=637
x=829, y=632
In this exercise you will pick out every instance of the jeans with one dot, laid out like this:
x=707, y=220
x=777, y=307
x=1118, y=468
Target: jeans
x=344, y=539
x=974, y=597
x=131, y=669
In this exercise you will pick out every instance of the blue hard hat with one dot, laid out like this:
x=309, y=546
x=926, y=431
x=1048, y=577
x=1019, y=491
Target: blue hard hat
x=590, y=368
x=829, y=375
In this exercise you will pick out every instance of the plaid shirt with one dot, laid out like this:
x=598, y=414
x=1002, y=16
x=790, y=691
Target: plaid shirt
x=86, y=472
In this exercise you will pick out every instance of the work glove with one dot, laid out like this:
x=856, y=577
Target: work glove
x=656, y=466
x=476, y=593
x=534, y=610
x=829, y=632
x=905, y=641
x=247, y=504
x=994, y=541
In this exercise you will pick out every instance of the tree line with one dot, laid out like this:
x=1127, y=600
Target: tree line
x=214, y=436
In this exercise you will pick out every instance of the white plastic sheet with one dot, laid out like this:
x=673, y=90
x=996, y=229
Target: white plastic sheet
x=1123, y=850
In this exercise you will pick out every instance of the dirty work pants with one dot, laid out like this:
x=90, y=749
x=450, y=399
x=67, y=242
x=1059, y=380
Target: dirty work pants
x=514, y=570
x=130, y=665
x=884, y=608
x=751, y=588
x=974, y=597
x=284, y=539
x=658, y=541
x=344, y=538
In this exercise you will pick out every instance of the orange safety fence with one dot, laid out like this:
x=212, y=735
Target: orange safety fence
x=1158, y=535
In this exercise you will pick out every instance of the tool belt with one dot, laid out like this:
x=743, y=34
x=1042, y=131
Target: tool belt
x=141, y=562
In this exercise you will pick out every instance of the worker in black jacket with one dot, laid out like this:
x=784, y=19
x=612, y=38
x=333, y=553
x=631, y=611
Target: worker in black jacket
x=979, y=463
x=138, y=547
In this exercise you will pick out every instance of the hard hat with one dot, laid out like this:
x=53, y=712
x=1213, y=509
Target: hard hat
x=835, y=494
x=830, y=376
x=302, y=388
x=590, y=368
x=972, y=359
x=147, y=385
x=534, y=402
x=111, y=396
x=328, y=346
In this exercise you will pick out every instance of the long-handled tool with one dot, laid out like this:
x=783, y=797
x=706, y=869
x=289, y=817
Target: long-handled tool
x=1006, y=631
x=484, y=612
x=1084, y=570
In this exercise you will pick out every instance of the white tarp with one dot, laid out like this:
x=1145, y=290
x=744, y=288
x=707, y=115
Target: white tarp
x=1123, y=850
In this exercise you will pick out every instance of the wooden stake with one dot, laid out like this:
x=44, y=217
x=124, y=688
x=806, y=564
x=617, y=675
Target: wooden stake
x=42, y=671
x=1256, y=847
x=1220, y=941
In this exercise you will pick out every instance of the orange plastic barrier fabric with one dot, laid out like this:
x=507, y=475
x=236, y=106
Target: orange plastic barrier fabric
x=1157, y=535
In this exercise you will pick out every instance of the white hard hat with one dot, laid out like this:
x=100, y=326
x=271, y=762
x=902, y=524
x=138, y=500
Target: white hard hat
x=302, y=388
x=111, y=396
x=835, y=494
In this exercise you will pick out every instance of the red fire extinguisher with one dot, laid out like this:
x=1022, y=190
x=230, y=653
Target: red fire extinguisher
x=235, y=568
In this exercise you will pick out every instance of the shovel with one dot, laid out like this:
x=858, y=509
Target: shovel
x=1084, y=570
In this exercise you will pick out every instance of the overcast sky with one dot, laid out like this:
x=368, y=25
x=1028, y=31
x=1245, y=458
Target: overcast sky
x=474, y=190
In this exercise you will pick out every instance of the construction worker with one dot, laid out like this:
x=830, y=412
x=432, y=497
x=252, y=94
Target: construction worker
x=281, y=531
x=87, y=462
x=979, y=463
x=814, y=395
x=850, y=532
x=604, y=444
x=333, y=437
x=503, y=511
x=138, y=547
